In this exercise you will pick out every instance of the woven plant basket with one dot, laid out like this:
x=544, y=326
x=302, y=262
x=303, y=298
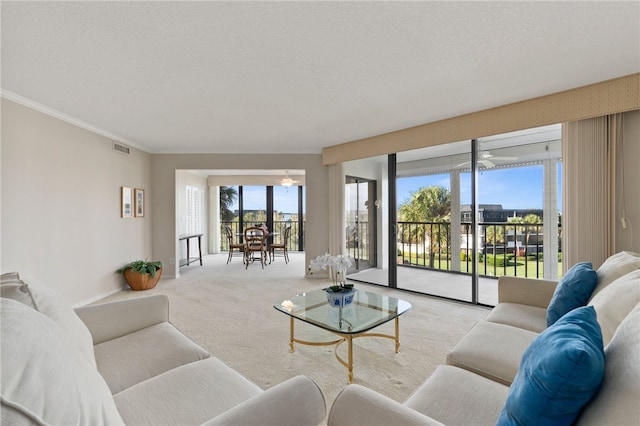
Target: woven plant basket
x=138, y=281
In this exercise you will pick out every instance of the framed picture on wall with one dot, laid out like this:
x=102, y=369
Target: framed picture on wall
x=126, y=201
x=139, y=202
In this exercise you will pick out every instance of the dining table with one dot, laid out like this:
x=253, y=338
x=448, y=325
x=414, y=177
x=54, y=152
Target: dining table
x=268, y=235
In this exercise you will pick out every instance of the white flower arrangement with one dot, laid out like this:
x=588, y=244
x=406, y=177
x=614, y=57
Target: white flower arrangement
x=337, y=268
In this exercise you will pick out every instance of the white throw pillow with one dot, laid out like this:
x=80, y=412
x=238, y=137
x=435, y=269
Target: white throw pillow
x=617, y=401
x=615, y=301
x=44, y=300
x=45, y=380
x=614, y=267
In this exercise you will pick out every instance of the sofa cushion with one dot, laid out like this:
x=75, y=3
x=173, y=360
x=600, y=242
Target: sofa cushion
x=45, y=378
x=146, y=353
x=492, y=350
x=615, y=301
x=358, y=405
x=450, y=388
x=187, y=395
x=559, y=373
x=614, y=267
x=297, y=401
x=616, y=403
x=573, y=291
x=532, y=318
x=41, y=298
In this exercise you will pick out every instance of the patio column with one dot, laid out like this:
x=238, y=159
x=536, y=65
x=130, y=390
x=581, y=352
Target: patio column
x=214, y=220
x=336, y=209
x=456, y=219
x=550, y=221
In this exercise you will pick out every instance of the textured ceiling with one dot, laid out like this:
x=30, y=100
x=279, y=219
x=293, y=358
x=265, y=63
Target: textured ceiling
x=257, y=77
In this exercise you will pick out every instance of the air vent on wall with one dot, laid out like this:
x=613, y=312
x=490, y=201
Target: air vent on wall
x=121, y=148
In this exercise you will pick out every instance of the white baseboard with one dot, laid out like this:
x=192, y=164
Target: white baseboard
x=98, y=297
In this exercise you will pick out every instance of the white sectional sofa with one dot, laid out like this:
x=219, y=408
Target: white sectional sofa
x=494, y=347
x=474, y=385
x=125, y=363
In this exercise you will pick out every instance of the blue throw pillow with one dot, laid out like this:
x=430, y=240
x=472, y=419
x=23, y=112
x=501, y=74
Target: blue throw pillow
x=559, y=373
x=573, y=291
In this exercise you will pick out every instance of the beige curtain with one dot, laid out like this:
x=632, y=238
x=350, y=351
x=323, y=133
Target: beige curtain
x=589, y=189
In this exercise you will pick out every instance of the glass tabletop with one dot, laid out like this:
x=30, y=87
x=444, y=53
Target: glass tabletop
x=367, y=311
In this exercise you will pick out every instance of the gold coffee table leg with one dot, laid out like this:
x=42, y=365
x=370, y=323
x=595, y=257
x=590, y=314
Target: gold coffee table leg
x=350, y=356
x=291, y=335
x=397, y=334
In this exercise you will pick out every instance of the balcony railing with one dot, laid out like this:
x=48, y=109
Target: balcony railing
x=514, y=249
x=278, y=226
x=503, y=248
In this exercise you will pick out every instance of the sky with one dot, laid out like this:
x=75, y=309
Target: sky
x=514, y=188
x=255, y=198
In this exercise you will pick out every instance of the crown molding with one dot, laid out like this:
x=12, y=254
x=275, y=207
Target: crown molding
x=67, y=118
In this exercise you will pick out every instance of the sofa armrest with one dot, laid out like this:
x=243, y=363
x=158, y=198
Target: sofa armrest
x=357, y=405
x=296, y=402
x=526, y=291
x=116, y=319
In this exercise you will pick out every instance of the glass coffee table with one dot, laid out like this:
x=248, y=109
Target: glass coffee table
x=367, y=311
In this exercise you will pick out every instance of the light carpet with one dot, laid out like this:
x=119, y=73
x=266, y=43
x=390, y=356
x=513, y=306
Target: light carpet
x=229, y=311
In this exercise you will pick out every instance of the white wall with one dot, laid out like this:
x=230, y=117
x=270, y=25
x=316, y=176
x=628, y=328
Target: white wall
x=61, y=221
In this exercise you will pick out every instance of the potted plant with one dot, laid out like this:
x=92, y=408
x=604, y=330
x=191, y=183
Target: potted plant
x=141, y=274
x=340, y=293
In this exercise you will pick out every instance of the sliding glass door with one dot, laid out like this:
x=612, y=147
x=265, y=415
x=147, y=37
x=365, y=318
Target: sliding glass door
x=361, y=222
x=434, y=242
x=518, y=207
x=466, y=213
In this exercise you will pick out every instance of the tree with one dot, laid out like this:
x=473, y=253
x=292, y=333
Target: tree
x=530, y=219
x=430, y=203
x=427, y=204
x=255, y=217
x=228, y=196
x=494, y=234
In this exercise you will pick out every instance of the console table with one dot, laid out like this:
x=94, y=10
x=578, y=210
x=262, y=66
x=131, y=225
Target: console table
x=189, y=259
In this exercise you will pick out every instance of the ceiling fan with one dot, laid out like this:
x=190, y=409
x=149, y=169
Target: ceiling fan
x=488, y=160
x=287, y=181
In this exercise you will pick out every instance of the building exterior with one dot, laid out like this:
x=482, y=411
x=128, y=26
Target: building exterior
x=496, y=213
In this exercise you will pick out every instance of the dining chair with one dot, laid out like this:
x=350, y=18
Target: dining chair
x=255, y=244
x=233, y=247
x=283, y=245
